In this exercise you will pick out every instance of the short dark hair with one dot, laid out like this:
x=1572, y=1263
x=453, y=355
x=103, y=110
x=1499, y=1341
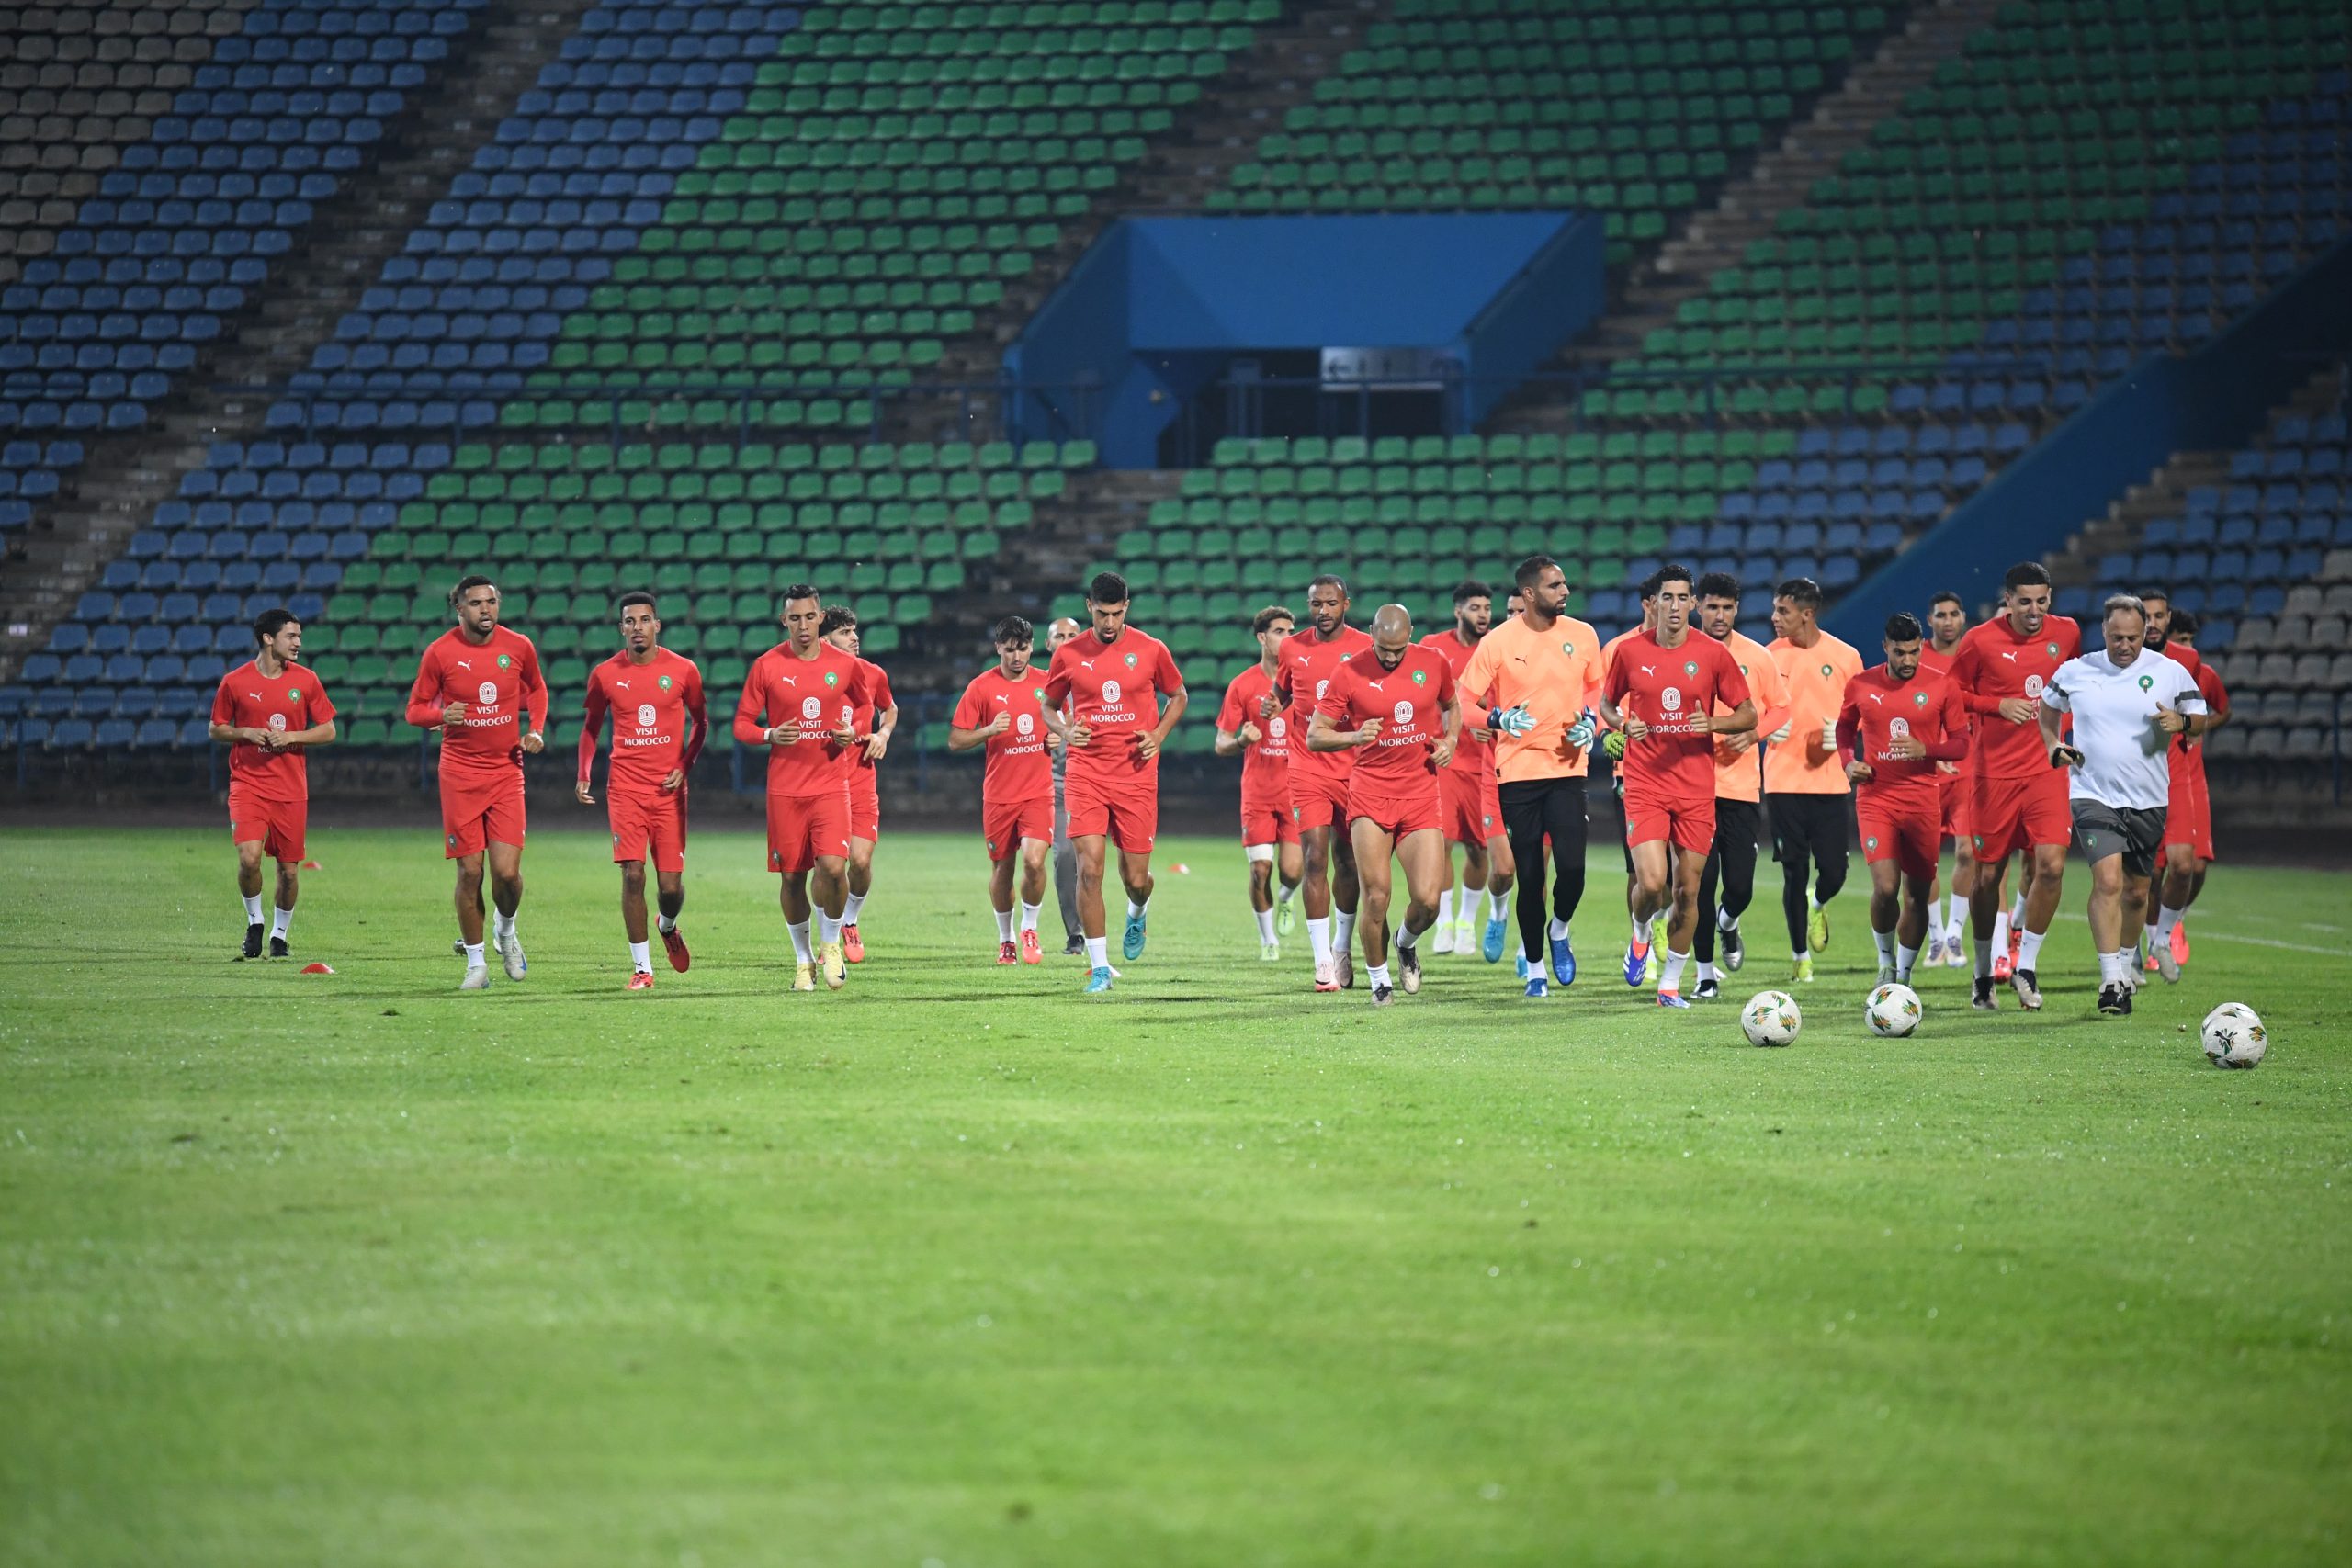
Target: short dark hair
x=467, y=585
x=2025, y=574
x=1471, y=587
x=801, y=590
x=1529, y=572
x=1013, y=628
x=2162, y=593
x=1718, y=586
x=2183, y=622
x=636, y=596
x=1108, y=588
x=269, y=623
x=1903, y=627
x=1667, y=573
x=1328, y=580
x=1801, y=591
x=837, y=617
x=1947, y=596
x=1268, y=616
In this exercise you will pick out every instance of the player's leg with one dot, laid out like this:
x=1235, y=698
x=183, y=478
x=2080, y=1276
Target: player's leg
x=829, y=895
x=857, y=882
x=1290, y=866
x=1135, y=876
x=249, y=859
x=1315, y=893
x=1091, y=850
x=1794, y=849
x=1565, y=827
x=1911, y=931
x=1737, y=824
x=1445, y=940
x=1522, y=814
x=1260, y=859
x=1502, y=871
x=1828, y=838
x=468, y=897
x=1702, y=941
x=1346, y=893
x=1648, y=891
x=1421, y=853
x=1035, y=847
x=1963, y=891
x=2105, y=853
x=633, y=923
x=1886, y=889
x=1686, y=869
x=1001, y=872
x=1370, y=848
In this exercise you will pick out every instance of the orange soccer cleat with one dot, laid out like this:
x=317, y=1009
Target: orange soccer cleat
x=2180, y=939
x=852, y=945
x=673, y=942
x=1007, y=953
x=638, y=980
x=1030, y=952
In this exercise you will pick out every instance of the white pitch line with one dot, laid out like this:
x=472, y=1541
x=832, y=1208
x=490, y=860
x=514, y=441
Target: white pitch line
x=2202, y=932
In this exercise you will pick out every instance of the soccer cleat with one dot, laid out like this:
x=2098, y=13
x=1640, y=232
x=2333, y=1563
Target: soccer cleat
x=2132, y=980
x=1442, y=939
x=1982, y=999
x=458, y=948
x=1885, y=974
x=1637, y=963
x=852, y=945
x=1490, y=947
x=1030, y=952
x=1383, y=995
x=2017, y=945
x=1007, y=953
x=477, y=978
x=804, y=977
x=638, y=980
x=1098, y=980
x=1816, y=931
x=1734, y=953
x=1343, y=968
x=2148, y=960
x=1537, y=988
x=1519, y=964
x=1074, y=948
x=2180, y=939
x=1650, y=966
x=2162, y=961
x=1671, y=999
x=2003, y=968
x=1564, y=961
x=2022, y=981
x=2114, y=1001
x=278, y=948
x=1270, y=951
x=1801, y=971
x=830, y=958
x=673, y=942
x=1131, y=939
x=1409, y=964
x=510, y=950
x=1286, y=917
x=1326, y=978
x=252, y=939
x=1465, y=935
x=1710, y=989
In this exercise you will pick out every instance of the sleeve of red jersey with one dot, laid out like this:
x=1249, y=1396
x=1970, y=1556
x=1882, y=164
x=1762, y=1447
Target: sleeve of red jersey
x=224, y=706
x=749, y=730
x=1955, y=720
x=592, y=722
x=698, y=717
x=2217, y=697
x=967, y=708
x=1228, y=712
x=535, y=689
x=1336, y=692
x=322, y=705
x=1446, y=685
x=1164, y=673
x=883, y=701
x=1967, y=670
x=1057, y=678
x=425, y=695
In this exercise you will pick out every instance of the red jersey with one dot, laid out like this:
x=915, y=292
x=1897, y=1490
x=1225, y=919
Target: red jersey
x=1409, y=701
x=1880, y=710
x=290, y=699
x=1673, y=690
x=1019, y=768
x=498, y=681
x=659, y=720
x=1265, y=761
x=868, y=718
x=1994, y=663
x=1473, y=757
x=1940, y=664
x=1308, y=662
x=820, y=694
x=1113, y=689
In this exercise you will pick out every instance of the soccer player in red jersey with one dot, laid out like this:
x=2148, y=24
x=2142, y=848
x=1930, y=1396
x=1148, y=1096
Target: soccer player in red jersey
x=480, y=684
x=1112, y=677
x=1269, y=823
x=2188, y=824
x=876, y=725
x=2019, y=800
x=2216, y=713
x=1663, y=689
x=270, y=710
x=1474, y=807
x=1318, y=781
x=1947, y=623
x=1739, y=786
x=1395, y=709
x=1004, y=710
x=801, y=699
x=660, y=721
x=1896, y=723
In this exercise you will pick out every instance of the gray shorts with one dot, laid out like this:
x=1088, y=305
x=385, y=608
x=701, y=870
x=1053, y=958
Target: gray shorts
x=2128, y=830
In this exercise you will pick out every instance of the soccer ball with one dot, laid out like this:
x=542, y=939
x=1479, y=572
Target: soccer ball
x=2234, y=1036
x=1771, y=1018
x=1893, y=1011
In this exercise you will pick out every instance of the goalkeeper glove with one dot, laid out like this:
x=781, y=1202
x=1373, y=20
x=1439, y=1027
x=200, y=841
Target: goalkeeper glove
x=1580, y=732
x=1778, y=736
x=1614, y=744
x=1511, y=720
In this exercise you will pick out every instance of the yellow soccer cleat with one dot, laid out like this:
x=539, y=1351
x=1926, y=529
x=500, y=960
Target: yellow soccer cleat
x=836, y=965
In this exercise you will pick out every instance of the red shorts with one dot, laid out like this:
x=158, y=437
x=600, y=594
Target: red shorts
x=2190, y=817
x=1005, y=824
x=476, y=816
x=1904, y=833
x=279, y=825
x=1951, y=807
x=1268, y=822
x=1318, y=801
x=803, y=827
x=1397, y=815
x=657, y=820
x=864, y=807
x=2008, y=815
x=1127, y=814
x=1474, y=809
x=1688, y=825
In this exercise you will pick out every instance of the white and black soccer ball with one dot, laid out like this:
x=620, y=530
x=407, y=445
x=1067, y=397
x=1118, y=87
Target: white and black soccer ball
x=1893, y=1011
x=1771, y=1018
x=2234, y=1036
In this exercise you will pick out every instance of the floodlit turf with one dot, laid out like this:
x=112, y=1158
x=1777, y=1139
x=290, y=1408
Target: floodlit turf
x=960, y=1267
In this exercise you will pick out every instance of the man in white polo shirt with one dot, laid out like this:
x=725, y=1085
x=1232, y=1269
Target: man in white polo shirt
x=2127, y=706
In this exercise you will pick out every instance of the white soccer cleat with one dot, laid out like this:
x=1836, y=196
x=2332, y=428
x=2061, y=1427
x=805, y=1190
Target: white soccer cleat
x=1441, y=938
x=477, y=978
x=1270, y=953
x=1343, y=968
x=510, y=950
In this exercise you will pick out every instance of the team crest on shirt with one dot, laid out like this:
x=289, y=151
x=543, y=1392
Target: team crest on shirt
x=664, y=683
x=1918, y=699
x=1131, y=660
x=1827, y=672
x=832, y=677
x=505, y=661
x=2049, y=648
x=293, y=693
x=1421, y=677
x=2147, y=681
x=1690, y=667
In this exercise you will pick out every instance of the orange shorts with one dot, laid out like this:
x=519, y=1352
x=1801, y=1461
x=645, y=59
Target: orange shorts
x=1474, y=808
x=1268, y=822
x=2008, y=815
x=279, y=825
x=1004, y=824
x=1128, y=815
x=1318, y=801
x=476, y=816
x=1893, y=830
x=864, y=807
x=640, y=820
x=1399, y=815
x=1688, y=825
x=803, y=827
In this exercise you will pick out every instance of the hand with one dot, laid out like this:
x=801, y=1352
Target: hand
x=453, y=713
x=2020, y=710
x=580, y=793
x=1948, y=767
x=1442, y=756
x=1080, y=736
x=1368, y=733
x=273, y=739
x=533, y=743
x=1249, y=733
x=1000, y=725
x=1514, y=720
x=2064, y=756
x=784, y=734
x=1147, y=746
x=1614, y=744
x=1268, y=706
x=843, y=735
x=1909, y=749
x=1857, y=773
x=1737, y=745
x=1779, y=737
x=673, y=782
x=1580, y=733
x=1482, y=735
x=876, y=745
x=1633, y=729
x=1054, y=742
x=2170, y=722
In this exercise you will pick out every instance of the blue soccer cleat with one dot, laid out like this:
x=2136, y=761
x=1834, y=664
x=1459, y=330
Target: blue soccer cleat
x=1671, y=999
x=1131, y=939
x=1637, y=963
x=1536, y=988
x=1519, y=964
x=1491, y=947
x=1100, y=980
x=1564, y=961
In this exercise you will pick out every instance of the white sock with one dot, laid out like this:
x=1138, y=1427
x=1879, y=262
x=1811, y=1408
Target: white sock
x=1708, y=972
x=1445, y=907
x=850, y=907
x=1955, y=907
x=1905, y=960
x=1725, y=920
x=1495, y=905
x=2001, y=929
x=2112, y=969
x=828, y=928
x=641, y=956
x=1285, y=892
x=1135, y=909
x=473, y=955
x=1885, y=941
x=1954, y=932
x=1343, y=930
x=1098, y=952
x=2147, y=943
x=1641, y=932
x=2017, y=911
x=1984, y=958
x=503, y=924
x=1802, y=955
x=1318, y=939
x=1407, y=936
x=2029, y=951
x=1669, y=975
x=2166, y=917
x=1004, y=924
x=253, y=910
x=1029, y=913
x=1817, y=906
x=281, y=920
x=665, y=924
x=1556, y=930
x=1377, y=975
x=1265, y=926
x=800, y=941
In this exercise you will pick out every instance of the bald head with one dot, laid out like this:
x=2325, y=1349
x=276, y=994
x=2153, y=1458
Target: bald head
x=1060, y=632
x=1392, y=634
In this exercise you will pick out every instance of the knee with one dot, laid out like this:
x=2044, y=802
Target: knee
x=633, y=881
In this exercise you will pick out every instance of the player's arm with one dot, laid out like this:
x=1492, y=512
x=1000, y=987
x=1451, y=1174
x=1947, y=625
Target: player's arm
x=426, y=708
x=1850, y=746
x=697, y=731
x=534, y=703
x=1612, y=692
x=1741, y=720
x=750, y=717
x=964, y=730
x=1448, y=723
x=591, y=726
x=2052, y=717
x=1148, y=744
x=1324, y=733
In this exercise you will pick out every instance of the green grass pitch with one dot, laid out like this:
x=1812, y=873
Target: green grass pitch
x=959, y=1267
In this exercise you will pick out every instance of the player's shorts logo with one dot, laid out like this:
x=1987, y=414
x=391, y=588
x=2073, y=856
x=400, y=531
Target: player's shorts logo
x=278, y=720
x=487, y=693
x=991, y=846
x=645, y=715
x=1278, y=728
x=1871, y=842
x=453, y=840
x=812, y=708
x=2033, y=688
x=1898, y=728
x=1109, y=694
x=1671, y=699
x=1402, y=713
x=1023, y=723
